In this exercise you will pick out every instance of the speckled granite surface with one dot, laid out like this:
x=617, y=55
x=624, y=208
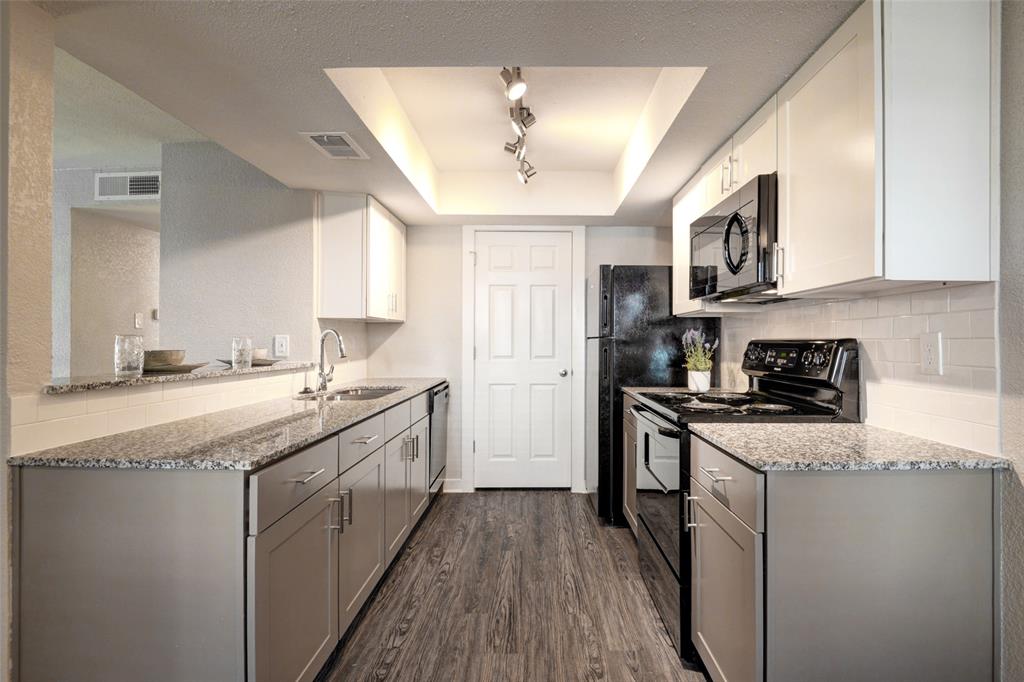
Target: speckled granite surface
x=242, y=438
x=214, y=369
x=838, y=447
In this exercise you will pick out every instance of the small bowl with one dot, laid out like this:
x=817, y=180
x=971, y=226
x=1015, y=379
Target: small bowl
x=260, y=353
x=164, y=357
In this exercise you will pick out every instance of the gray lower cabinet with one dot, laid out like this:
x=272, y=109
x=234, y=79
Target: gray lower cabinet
x=291, y=593
x=419, y=469
x=727, y=612
x=629, y=450
x=360, y=536
x=406, y=483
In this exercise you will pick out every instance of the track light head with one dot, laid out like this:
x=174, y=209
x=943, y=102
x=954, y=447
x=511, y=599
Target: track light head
x=526, y=117
x=511, y=147
x=525, y=172
x=515, y=86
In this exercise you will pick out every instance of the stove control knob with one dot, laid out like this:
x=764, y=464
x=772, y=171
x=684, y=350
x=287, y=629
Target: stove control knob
x=819, y=359
x=807, y=358
x=754, y=353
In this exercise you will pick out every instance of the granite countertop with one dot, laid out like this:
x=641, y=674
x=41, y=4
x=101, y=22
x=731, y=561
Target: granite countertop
x=837, y=447
x=242, y=438
x=95, y=383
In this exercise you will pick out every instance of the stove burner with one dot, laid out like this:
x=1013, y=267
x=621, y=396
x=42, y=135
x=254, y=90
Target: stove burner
x=674, y=397
x=727, y=398
x=768, y=408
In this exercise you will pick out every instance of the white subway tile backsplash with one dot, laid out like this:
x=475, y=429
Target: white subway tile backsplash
x=145, y=394
x=957, y=407
x=60, y=406
x=972, y=352
x=933, y=301
x=106, y=400
x=45, y=421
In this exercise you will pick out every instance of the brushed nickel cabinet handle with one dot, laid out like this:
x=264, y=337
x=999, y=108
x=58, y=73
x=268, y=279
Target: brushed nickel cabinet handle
x=346, y=495
x=341, y=522
x=713, y=475
x=366, y=440
x=687, y=524
x=309, y=478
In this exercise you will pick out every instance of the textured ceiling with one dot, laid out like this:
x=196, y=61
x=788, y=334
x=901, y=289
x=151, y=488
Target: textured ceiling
x=100, y=124
x=249, y=75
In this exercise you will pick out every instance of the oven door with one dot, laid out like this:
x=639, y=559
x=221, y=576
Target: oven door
x=658, y=482
x=731, y=246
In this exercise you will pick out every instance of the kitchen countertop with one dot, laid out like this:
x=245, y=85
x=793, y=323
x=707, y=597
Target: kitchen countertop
x=837, y=447
x=94, y=383
x=242, y=438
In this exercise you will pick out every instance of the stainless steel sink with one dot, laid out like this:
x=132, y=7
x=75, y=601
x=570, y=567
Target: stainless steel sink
x=353, y=393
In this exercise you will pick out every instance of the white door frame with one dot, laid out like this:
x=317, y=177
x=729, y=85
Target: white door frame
x=577, y=350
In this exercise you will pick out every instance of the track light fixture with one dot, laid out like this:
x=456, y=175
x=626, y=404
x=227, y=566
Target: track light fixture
x=515, y=86
x=525, y=172
x=520, y=118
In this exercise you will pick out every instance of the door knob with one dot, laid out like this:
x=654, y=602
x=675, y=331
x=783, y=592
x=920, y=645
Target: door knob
x=564, y=373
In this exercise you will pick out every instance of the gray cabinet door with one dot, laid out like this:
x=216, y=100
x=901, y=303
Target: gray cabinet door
x=396, y=493
x=361, y=540
x=419, y=470
x=292, y=584
x=728, y=591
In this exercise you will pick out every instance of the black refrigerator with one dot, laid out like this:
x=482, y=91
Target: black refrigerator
x=632, y=340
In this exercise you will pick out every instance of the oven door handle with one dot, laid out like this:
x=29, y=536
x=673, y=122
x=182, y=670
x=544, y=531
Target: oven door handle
x=667, y=431
x=664, y=488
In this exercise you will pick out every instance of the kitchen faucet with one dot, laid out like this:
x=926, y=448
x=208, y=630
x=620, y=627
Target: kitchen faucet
x=323, y=378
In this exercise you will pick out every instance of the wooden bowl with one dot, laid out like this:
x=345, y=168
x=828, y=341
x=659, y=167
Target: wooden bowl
x=164, y=357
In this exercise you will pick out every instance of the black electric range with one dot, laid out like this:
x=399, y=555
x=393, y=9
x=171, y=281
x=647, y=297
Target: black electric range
x=789, y=381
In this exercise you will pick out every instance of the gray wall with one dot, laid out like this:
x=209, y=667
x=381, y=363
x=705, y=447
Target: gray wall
x=115, y=273
x=628, y=246
x=1011, y=335
x=236, y=255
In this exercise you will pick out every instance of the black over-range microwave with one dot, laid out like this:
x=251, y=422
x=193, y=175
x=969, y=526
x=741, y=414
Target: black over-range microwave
x=732, y=246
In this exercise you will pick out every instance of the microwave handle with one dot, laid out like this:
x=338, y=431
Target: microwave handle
x=778, y=263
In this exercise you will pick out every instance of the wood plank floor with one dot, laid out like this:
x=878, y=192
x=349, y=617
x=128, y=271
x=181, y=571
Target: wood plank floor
x=513, y=585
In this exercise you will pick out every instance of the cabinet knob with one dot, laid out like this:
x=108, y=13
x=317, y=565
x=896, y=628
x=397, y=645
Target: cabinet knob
x=563, y=373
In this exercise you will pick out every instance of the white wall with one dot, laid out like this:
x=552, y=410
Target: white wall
x=115, y=273
x=429, y=342
x=960, y=407
x=628, y=246
x=236, y=255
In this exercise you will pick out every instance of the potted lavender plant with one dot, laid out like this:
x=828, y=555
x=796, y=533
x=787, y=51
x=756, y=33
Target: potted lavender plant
x=698, y=351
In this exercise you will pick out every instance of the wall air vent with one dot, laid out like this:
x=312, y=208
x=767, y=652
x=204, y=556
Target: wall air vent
x=336, y=145
x=121, y=186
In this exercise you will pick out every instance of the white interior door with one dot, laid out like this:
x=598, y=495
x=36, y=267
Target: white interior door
x=523, y=342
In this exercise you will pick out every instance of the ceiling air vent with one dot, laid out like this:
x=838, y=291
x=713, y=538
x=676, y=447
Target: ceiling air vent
x=121, y=186
x=336, y=145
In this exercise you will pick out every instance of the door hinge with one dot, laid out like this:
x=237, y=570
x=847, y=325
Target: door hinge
x=474, y=352
x=474, y=258
x=474, y=445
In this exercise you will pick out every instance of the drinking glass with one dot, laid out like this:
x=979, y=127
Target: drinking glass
x=128, y=355
x=241, y=352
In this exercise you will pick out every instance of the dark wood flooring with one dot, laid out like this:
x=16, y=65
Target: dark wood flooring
x=512, y=585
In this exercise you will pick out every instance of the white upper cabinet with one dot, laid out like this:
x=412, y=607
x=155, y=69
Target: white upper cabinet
x=828, y=232
x=361, y=259
x=886, y=152
x=755, y=146
x=718, y=175
x=686, y=207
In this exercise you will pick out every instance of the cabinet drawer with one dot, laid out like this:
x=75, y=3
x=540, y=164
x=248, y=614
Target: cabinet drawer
x=397, y=419
x=418, y=407
x=739, y=488
x=359, y=441
x=281, y=487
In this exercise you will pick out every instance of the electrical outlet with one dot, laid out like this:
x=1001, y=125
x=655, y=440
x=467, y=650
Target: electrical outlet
x=138, y=320
x=281, y=344
x=931, y=353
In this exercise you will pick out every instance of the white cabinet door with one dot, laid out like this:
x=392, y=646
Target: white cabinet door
x=687, y=208
x=755, y=145
x=342, y=247
x=718, y=175
x=828, y=228
x=397, y=270
x=379, y=240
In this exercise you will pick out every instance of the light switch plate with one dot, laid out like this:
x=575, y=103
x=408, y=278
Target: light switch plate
x=138, y=320
x=281, y=344
x=931, y=353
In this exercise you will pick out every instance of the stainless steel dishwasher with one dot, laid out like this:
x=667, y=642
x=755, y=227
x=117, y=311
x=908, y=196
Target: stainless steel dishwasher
x=438, y=436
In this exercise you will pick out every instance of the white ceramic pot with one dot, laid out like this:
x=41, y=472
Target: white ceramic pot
x=698, y=381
